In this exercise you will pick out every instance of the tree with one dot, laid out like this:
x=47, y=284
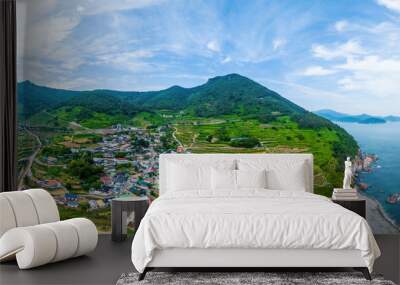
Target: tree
x=300, y=137
x=247, y=142
x=266, y=118
x=141, y=143
x=120, y=154
x=84, y=168
x=222, y=134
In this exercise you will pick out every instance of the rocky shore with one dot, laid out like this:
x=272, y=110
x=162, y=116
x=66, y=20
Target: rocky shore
x=377, y=218
x=364, y=162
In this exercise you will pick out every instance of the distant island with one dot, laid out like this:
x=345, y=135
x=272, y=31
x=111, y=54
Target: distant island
x=360, y=119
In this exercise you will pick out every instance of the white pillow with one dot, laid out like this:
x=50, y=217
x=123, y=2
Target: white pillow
x=223, y=179
x=290, y=177
x=251, y=178
x=183, y=177
x=193, y=174
x=282, y=174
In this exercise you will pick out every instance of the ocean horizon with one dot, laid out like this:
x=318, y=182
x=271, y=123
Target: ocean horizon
x=382, y=140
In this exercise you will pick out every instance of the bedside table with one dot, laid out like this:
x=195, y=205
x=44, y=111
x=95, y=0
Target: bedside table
x=122, y=210
x=358, y=206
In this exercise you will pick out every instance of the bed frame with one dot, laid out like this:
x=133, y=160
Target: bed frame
x=245, y=259
x=237, y=259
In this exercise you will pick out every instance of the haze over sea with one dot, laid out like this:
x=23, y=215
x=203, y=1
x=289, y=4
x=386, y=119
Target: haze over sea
x=384, y=141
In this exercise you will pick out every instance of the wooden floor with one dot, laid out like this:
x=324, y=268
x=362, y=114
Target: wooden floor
x=103, y=266
x=111, y=259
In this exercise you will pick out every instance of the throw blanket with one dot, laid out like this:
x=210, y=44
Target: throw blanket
x=253, y=218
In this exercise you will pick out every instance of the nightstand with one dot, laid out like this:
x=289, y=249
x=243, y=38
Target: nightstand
x=122, y=210
x=358, y=205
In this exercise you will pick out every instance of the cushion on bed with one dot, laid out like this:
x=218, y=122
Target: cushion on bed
x=193, y=174
x=227, y=180
x=251, y=179
x=223, y=179
x=282, y=174
x=182, y=177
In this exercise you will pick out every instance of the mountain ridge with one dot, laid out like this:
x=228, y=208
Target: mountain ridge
x=220, y=94
x=231, y=94
x=230, y=108
x=335, y=116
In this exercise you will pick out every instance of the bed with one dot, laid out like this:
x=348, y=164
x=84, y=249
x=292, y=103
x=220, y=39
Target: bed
x=247, y=210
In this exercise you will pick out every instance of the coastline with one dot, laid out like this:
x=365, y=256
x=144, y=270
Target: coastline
x=374, y=143
x=377, y=218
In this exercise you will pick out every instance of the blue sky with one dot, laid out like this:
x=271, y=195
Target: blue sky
x=338, y=54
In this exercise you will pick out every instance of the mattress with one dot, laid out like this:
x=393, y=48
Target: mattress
x=250, y=219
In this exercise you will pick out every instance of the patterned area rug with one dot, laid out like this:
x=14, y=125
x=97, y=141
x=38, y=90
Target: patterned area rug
x=225, y=278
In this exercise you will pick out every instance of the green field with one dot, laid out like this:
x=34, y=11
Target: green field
x=281, y=136
x=88, y=119
x=101, y=217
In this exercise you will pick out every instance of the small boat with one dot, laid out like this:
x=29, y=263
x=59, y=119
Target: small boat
x=393, y=198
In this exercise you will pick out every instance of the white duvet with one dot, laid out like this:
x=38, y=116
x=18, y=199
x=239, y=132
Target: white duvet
x=250, y=219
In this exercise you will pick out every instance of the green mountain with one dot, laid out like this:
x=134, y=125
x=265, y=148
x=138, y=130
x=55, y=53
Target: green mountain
x=34, y=98
x=222, y=95
x=102, y=102
x=231, y=94
x=228, y=113
x=361, y=119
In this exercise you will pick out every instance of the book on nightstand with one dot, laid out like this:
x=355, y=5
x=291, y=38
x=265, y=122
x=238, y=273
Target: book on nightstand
x=344, y=194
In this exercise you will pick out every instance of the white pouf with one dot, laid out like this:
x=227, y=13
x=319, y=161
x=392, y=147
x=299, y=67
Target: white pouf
x=31, y=232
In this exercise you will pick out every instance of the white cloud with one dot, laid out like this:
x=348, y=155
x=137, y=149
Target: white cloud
x=368, y=74
x=278, y=43
x=213, y=46
x=72, y=63
x=390, y=4
x=348, y=49
x=373, y=64
x=126, y=56
x=226, y=59
x=73, y=84
x=93, y=7
x=341, y=25
x=372, y=75
x=80, y=9
x=132, y=60
x=304, y=95
x=317, y=71
x=49, y=32
x=46, y=31
x=39, y=9
x=382, y=87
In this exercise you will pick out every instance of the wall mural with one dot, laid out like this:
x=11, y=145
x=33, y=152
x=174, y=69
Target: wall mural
x=106, y=86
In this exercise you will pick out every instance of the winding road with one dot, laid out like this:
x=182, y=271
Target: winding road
x=178, y=141
x=27, y=170
x=175, y=138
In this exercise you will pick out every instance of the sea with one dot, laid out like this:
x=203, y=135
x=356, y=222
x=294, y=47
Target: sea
x=382, y=140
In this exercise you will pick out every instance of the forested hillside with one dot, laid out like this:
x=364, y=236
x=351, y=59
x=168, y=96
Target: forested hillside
x=228, y=113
